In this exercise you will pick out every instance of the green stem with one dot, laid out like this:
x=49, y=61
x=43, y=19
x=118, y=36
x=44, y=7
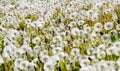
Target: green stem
x=5, y=65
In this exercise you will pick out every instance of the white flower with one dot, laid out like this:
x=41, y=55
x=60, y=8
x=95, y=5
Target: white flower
x=118, y=27
x=37, y=48
x=108, y=25
x=36, y=40
x=19, y=52
x=101, y=54
x=48, y=66
x=55, y=57
x=35, y=60
x=61, y=55
x=89, y=51
x=111, y=68
x=113, y=32
x=23, y=65
x=40, y=24
x=117, y=51
x=110, y=50
x=44, y=52
x=89, y=13
x=18, y=61
x=85, y=69
x=93, y=59
x=64, y=44
x=84, y=62
x=68, y=66
x=88, y=68
x=72, y=59
x=45, y=58
x=94, y=17
x=107, y=11
x=118, y=62
x=93, y=37
x=87, y=29
x=75, y=31
x=97, y=5
x=76, y=43
x=63, y=35
x=96, y=31
x=73, y=15
x=81, y=22
x=85, y=34
x=6, y=41
x=119, y=69
x=117, y=44
x=1, y=60
x=72, y=24
x=101, y=47
x=85, y=26
x=57, y=50
x=102, y=66
x=98, y=26
x=81, y=32
x=75, y=51
x=3, y=29
x=28, y=49
x=105, y=38
x=95, y=53
x=16, y=68
x=57, y=38
x=30, y=66
x=26, y=40
x=7, y=49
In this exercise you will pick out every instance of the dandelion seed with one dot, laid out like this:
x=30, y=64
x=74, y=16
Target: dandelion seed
x=1, y=60
x=84, y=63
x=110, y=50
x=75, y=52
x=105, y=38
x=118, y=27
x=108, y=26
x=98, y=26
x=48, y=66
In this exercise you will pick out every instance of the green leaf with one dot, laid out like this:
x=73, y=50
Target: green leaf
x=32, y=17
x=47, y=40
x=58, y=19
x=1, y=67
x=112, y=38
x=75, y=69
x=118, y=35
x=63, y=65
x=22, y=25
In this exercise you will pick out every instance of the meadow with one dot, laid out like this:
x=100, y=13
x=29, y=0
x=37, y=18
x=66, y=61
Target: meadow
x=59, y=35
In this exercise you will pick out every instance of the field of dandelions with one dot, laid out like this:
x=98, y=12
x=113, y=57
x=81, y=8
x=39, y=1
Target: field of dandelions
x=59, y=35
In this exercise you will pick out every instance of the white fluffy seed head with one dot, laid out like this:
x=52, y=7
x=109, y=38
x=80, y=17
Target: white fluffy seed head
x=57, y=50
x=84, y=63
x=75, y=31
x=1, y=60
x=48, y=66
x=118, y=27
x=75, y=52
x=108, y=25
x=98, y=26
x=101, y=47
x=110, y=50
x=105, y=38
x=45, y=58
